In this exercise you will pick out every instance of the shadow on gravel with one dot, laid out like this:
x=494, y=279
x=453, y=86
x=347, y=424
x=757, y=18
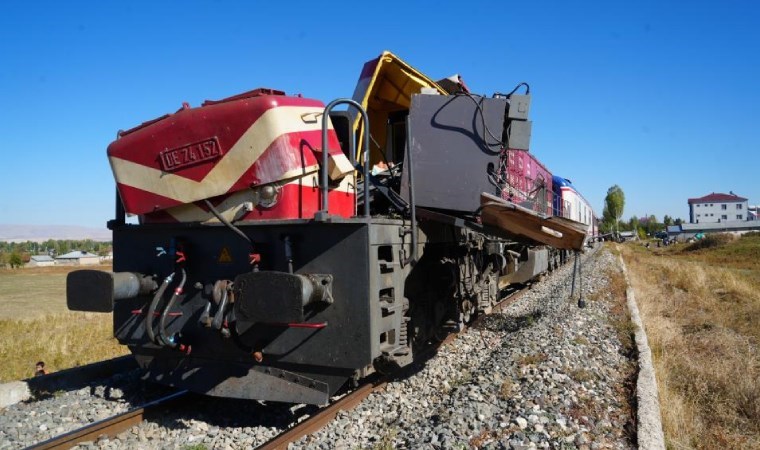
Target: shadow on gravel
x=124, y=388
x=510, y=324
x=225, y=412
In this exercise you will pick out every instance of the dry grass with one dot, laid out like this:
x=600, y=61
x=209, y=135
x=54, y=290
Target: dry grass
x=61, y=340
x=29, y=293
x=581, y=375
x=701, y=309
x=506, y=388
x=532, y=360
x=615, y=294
x=35, y=325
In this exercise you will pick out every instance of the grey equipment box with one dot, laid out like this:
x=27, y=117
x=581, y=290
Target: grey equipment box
x=518, y=133
x=519, y=106
x=452, y=154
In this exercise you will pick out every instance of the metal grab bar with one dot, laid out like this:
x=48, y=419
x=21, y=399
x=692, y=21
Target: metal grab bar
x=412, y=205
x=323, y=181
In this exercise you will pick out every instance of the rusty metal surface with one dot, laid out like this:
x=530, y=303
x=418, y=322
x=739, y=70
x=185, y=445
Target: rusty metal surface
x=108, y=427
x=323, y=417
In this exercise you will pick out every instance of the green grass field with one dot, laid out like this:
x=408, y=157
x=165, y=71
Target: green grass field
x=36, y=325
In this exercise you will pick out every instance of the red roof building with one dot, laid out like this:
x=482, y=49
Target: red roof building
x=718, y=207
x=718, y=198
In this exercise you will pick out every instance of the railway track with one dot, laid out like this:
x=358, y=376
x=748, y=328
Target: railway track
x=355, y=397
x=112, y=426
x=526, y=382
x=316, y=420
x=109, y=427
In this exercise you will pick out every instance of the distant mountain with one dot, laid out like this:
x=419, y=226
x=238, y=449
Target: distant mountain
x=39, y=233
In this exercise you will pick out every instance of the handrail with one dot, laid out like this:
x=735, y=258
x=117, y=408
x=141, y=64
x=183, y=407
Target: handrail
x=413, y=206
x=323, y=182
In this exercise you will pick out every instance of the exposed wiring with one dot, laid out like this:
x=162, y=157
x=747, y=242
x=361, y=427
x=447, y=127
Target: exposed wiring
x=527, y=90
x=498, y=141
x=227, y=222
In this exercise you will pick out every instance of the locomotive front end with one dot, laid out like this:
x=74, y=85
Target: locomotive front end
x=260, y=309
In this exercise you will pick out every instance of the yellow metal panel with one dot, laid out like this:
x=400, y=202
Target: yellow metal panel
x=388, y=89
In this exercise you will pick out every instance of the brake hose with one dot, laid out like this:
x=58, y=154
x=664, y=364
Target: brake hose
x=219, y=317
x=152, y=309
x=162, y=324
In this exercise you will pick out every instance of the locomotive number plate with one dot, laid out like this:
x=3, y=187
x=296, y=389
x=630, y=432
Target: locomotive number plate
x=190, y=154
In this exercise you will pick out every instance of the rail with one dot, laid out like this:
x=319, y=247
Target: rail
x=355, y=397
x=109, y=427
x=323, y=416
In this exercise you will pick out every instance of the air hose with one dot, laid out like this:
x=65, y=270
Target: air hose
x=152, y=309
x=162, y=324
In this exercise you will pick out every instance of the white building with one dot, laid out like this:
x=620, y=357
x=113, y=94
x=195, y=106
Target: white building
x=40, y=261
x=718, y=208
x=78, y=258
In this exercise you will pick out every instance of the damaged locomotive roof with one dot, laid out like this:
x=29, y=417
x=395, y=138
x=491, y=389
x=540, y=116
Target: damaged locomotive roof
x=386, y=85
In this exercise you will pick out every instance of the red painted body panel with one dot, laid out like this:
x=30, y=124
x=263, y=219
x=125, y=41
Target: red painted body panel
x=525, y=174
x=175, y=159
x=296, y=201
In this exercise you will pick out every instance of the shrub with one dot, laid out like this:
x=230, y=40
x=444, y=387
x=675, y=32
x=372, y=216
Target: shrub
x=710, y=241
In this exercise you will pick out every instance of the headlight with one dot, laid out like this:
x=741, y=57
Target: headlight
x=268, y=195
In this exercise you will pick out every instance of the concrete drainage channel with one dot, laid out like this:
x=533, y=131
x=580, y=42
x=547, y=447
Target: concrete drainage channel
x=649, y=432
x=64, y=380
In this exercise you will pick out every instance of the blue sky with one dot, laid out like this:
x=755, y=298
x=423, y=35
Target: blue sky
x=661, y=98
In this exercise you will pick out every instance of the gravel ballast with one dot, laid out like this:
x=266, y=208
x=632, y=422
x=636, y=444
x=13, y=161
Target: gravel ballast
x=542, y=373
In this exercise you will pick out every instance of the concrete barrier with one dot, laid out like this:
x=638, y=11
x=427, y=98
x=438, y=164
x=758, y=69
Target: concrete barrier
x=63, y=380
x=649, y=430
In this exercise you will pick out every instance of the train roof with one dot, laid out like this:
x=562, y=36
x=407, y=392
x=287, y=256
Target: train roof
x=561, y=181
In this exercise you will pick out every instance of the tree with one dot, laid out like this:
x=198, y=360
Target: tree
x=614, y=203
x=15, y=260
x=633, y=223
x=607, y=223
x=652, y=225
x=667, y=220
x=678, y=221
